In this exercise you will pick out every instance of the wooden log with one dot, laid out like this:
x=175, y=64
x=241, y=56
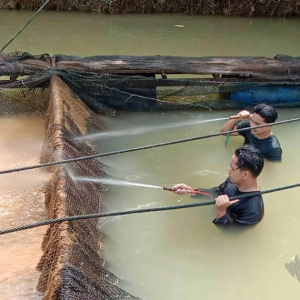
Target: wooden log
x=250, y=67
x=256, y=67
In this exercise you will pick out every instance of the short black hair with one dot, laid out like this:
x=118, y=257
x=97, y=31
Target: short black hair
x=267, y=112
x=250, y=159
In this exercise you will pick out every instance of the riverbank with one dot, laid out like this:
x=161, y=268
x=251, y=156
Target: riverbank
x=255, y=8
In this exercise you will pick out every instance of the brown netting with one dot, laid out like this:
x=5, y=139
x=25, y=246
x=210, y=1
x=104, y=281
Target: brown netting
x=71, y=267
x=24, y=101
x=109, y=83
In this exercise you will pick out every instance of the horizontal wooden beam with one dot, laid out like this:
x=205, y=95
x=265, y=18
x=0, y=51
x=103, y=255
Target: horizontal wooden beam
x=260, y=68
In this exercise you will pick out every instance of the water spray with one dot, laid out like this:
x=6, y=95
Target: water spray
x=111, y=181
x=143, y=130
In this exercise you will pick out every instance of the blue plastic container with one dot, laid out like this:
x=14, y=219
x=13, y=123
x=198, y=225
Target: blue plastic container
x=275, y=94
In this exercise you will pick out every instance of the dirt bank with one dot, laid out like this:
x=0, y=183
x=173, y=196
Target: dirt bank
x=280, y=8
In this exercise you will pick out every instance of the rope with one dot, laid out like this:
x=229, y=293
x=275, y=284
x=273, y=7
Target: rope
x=141, y=148
x=40, y=9
x=138, y=211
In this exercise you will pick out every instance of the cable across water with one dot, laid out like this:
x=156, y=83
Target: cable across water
x=141, y=147
x=137, y=211
x=12, y=39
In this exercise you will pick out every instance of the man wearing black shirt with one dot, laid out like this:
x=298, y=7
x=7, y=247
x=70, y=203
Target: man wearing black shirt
x=245, y=166
x=262, y=138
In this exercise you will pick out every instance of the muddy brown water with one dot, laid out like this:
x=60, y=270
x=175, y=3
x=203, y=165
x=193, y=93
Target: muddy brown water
x=174, y=255
x=21, y=202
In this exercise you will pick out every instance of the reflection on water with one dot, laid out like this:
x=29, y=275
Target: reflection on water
x=182, y=254
x=21, y=202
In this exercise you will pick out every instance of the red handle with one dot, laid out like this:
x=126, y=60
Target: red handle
x=193, y=192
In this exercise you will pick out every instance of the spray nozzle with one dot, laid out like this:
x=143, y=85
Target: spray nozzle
x=170, y=189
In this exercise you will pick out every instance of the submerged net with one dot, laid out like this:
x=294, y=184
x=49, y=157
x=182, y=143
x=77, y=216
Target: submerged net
x=109, y=83
x=71, y=267
x=24, y=101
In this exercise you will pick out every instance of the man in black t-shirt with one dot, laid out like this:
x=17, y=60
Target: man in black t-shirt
x=245, y=166
x=261, y=138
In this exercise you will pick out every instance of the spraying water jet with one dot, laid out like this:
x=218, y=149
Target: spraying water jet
x=110, y=181
x=142, y=130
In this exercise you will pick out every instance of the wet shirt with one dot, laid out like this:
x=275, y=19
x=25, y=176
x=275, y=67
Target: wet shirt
x=269, y=147
x=248, y=211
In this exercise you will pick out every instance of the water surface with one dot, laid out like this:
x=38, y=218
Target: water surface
x=168, y=255
x=182, y=254
x=21, y=202
x=86, y=34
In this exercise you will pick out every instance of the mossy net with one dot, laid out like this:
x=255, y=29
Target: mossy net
x=110, y=83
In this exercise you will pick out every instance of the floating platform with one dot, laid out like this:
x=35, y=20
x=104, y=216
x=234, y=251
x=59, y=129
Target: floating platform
x=108, y=83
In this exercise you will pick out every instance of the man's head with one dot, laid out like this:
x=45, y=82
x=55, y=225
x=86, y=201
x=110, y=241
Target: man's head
x=246, y=164
x=263, y=114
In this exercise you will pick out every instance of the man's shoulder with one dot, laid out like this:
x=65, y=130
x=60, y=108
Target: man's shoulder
x=256, y=198
x=275, y=142
x=275, y=151
x=249, y=210
x=243, y=124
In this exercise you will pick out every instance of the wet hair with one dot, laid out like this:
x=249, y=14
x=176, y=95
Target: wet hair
x=267, y=112
x=249, y=159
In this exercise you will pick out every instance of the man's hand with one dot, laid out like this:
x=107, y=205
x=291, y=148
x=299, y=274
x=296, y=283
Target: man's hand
x=234, y=120
x=222, y=202
x=244, y=115
x=182, y=189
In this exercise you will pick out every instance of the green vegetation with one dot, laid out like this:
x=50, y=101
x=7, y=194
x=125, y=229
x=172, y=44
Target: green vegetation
x=282, y=8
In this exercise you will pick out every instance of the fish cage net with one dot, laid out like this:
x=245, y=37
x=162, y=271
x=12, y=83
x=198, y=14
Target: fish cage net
x=252, y=81
x=70, y=266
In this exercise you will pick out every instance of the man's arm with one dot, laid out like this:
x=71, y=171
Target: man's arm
x=222, y=202
x=231, y=124
x=275, y=154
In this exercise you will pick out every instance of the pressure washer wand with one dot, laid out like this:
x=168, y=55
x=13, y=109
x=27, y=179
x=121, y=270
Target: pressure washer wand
x=193, y=192
x=235, y=117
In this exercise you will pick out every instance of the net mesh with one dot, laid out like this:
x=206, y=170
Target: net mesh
x=110, y=83
x=71, y=267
